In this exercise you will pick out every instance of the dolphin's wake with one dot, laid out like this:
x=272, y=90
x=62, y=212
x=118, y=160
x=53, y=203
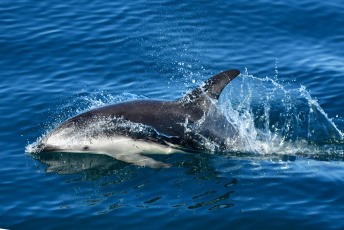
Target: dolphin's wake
x=272, y=119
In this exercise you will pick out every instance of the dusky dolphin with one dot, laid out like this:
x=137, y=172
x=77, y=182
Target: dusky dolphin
x=126, y=131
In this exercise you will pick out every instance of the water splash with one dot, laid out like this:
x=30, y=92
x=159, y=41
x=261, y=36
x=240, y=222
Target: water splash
x=273, y=118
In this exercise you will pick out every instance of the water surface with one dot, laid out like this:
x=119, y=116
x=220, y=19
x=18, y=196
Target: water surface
x=59, y=59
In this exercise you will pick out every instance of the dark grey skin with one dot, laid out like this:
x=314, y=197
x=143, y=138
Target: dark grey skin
x=170, y=120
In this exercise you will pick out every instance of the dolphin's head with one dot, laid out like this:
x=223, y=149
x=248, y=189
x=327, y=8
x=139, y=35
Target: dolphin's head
x=66, y=138
x=58, y=144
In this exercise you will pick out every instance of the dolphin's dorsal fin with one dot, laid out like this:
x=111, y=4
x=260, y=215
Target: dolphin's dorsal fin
x=212, y=87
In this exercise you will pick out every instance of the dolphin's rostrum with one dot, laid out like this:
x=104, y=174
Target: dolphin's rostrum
x=128, y=130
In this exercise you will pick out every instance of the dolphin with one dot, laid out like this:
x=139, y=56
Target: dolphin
x=129, y=131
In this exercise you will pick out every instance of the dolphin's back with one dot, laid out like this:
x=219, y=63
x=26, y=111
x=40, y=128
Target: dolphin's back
x=165, y=116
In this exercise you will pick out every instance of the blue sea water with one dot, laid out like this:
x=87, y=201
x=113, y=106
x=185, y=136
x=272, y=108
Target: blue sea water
x=60, y=58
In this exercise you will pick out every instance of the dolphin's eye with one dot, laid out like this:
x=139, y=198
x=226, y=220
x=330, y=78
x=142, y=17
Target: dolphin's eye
x=85, y=147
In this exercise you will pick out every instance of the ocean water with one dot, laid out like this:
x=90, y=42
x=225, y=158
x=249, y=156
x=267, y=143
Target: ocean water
x=58, y=59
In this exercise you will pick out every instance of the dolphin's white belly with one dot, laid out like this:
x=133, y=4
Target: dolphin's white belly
x=119, y=147
x=126, y=145
x=116, y=144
